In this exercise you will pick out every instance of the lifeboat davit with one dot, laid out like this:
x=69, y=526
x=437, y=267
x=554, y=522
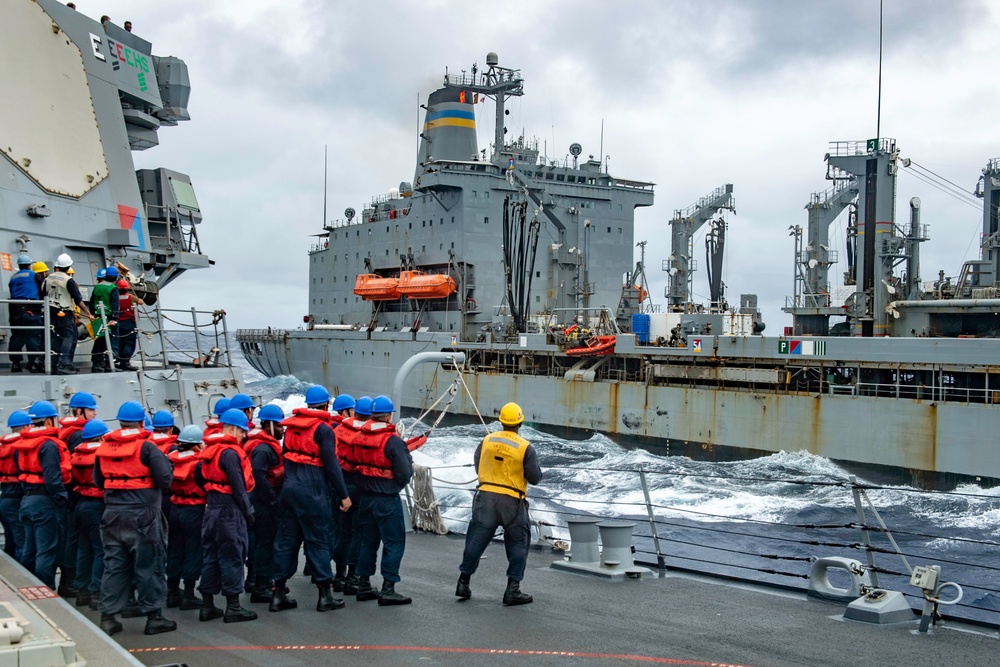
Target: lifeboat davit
x=373, y=287
x=421, y=285
x=595, y=346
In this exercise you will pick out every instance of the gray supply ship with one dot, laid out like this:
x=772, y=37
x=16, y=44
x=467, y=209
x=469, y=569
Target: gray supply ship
x=79, y=98
x=517, y=261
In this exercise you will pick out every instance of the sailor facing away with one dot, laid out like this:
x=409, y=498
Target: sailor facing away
x=10, y=488
x=347, y=542
x=63, y=293
x=86, y=516
x=23, y=286
x=506, y=464
x=263, y=446
x=187, y=510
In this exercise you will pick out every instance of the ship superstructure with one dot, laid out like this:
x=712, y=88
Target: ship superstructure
x=532, y=259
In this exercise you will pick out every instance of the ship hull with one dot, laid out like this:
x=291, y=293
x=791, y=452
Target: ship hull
x=922, y=436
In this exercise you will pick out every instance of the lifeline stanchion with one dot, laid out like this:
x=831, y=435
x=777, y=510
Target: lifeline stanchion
x=660, y=563
x=856, y=492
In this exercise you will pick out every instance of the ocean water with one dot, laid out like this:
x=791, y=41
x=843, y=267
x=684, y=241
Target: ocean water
x=757, y=519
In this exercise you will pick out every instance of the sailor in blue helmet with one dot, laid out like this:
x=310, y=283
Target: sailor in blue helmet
x=213, y=426
x=312, y=474
x=347, y=538
x=10, y=488
x=104, y=302
x=87, y=514
x=263, y=446
x=24, y=287
x=133, y=474
x=244, y=404
x=383, y=467
x=43, y=462
x=226, y=476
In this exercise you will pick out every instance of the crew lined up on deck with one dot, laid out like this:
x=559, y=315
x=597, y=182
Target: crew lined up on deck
x=127, y=515
x=108, y=317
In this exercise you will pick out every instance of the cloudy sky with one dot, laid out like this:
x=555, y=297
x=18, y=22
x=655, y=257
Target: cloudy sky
x=693, y=94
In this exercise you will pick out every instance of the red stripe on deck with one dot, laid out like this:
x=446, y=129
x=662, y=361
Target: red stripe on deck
x=444, y=649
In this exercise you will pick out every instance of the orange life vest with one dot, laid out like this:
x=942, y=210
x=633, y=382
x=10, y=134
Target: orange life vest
x=82, y=459
x=369, y=449
x=346, y=433
x=27, y=454
x=8, y=458
x=212, y=426
x=70, y=425
x=163, y=441
x=256, y=438
x=300, y=430
x=184, y=490
x=215, y=478
x=119, y=459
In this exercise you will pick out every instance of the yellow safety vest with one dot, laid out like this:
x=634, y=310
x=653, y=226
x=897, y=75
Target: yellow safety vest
x=501, y=464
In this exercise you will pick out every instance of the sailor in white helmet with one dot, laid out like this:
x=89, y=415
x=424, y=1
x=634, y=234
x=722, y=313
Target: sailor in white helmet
x=63, y=293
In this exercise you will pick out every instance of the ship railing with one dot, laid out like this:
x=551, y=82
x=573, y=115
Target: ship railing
x=43, y=329
x=861, y=147
x=924, y=392
x=771, y=547
x=993, y=165
x=192, y=337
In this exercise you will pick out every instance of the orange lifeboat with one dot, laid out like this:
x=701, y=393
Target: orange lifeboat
x=420, y=285
x=595, y=346
x=373, y=287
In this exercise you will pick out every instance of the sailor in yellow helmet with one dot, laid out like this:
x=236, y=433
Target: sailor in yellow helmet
x=506, y=464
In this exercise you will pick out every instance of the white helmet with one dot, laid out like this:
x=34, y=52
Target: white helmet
x=64, y=261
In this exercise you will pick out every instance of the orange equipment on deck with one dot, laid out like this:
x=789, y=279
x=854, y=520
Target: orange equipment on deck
x=595, y=346
x=420, y=285
x=373, y=287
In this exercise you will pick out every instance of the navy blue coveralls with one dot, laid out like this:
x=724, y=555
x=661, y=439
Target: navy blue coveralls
x=224, y=531
x=265, y=508
x=43, y=515
x=134, y=534
x=381, y=513
x=64, y=334
x=24, y=286
x=491, y=510
x=306, y=512
x=11, y=495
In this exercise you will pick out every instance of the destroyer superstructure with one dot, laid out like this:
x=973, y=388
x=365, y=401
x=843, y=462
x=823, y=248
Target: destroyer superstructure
x=537, y=250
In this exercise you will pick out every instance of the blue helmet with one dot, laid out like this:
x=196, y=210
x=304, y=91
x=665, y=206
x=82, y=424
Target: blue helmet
x=270, y=413
x=317, y=395
x=42, y=410
x=82, y=399
x=190, y=434
x=364, y=406
x=111, y=272
x=18, y=418
x=23, y=259
x=343, y=402
x=101, y=273
x=382, y=405
x=221, y=406
x=163, y=419
x=233, y=417
x=240, y=402
x=94, y=429
x=131, y=411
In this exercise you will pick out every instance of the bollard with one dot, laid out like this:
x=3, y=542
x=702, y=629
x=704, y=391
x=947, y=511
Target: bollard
x=616, y=536
x=583, y=540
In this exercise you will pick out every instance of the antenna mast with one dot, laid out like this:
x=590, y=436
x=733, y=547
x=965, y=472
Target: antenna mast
x=324, y=185
x=878, y=113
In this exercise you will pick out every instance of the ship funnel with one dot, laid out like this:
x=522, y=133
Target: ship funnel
x=449, y=131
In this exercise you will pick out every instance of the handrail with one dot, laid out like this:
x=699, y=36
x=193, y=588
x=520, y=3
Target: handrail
x=45, y=327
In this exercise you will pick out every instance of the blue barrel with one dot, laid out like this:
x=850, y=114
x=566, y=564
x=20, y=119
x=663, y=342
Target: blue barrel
x=640, y=327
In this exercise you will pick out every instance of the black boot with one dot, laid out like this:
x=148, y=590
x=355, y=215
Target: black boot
x=36, y=367
x=462, y=590
x=365, y=590
x=15, y=367
x=174, y=596
x=279, y=598
x=235, y=613
x=66, y=578
x=513, y=595
x=326, y=601
x=83, y=598
x=351, y=581
x=389, y=597
x=156, y=624
x=339, y=578
x=261, y=590
x=209, y=611
x=110, y=624
x=190, y=599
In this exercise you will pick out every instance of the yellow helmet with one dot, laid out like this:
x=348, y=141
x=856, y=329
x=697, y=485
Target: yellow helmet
x=39, y=267
x=70, y=271
x=511, y=414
